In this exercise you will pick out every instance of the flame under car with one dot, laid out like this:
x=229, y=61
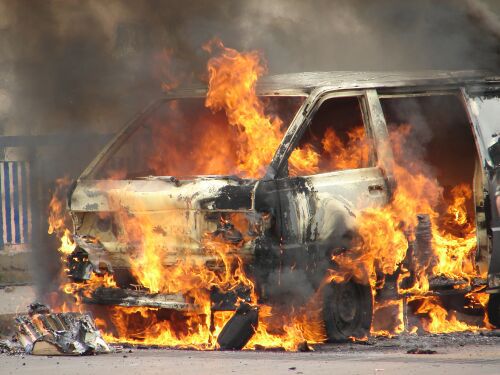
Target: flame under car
x=167, y=209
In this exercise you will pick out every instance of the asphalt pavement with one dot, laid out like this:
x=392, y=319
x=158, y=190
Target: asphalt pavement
x=452, y=356
x=459, y=353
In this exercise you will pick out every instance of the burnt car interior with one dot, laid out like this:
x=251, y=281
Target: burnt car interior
x=441, y=137
x=337, y=132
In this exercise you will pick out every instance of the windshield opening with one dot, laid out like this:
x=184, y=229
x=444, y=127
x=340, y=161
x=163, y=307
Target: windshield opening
x=183, y=138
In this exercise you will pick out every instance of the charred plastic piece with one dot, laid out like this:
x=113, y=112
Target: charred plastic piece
x=239, y=329
x=228, y=233
x=79, y=266
x=48, y=333
x=227, y=301
x=421, y=351
x=38, y=308
x=494, y=309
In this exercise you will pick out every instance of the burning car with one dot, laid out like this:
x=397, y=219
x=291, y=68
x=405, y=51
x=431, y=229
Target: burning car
x=346, y=188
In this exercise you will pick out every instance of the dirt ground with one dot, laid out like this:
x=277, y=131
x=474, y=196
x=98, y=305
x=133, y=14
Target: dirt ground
x=456, y=354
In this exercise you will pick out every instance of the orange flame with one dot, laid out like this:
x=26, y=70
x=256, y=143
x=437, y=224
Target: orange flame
x=439, y=320
x=194, y=280
x=57, y=217
x=232, y=88
x=232, y=79
x=387, y=232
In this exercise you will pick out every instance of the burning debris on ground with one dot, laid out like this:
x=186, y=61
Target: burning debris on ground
x=42, y=332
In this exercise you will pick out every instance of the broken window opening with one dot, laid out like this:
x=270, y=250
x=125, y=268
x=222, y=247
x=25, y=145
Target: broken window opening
x=337, y=135
x=437, y=142
x=183, y=138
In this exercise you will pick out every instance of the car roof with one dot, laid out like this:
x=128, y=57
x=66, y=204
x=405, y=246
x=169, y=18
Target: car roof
x=305, y=82
x=347, y=79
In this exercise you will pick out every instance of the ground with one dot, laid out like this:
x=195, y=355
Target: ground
x=457, y=354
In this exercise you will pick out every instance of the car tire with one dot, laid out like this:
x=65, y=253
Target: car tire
x=239, y=329
x=347, y=310
x=493, y=309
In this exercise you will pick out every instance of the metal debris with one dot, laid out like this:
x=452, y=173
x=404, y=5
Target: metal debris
x=10, y=347
x=228, y=300
x=44, y=333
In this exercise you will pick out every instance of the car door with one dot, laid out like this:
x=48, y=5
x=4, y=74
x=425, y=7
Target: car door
x=316, y=207
x=483, y=106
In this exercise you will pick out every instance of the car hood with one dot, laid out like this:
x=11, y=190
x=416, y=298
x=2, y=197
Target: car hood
x=163, y=193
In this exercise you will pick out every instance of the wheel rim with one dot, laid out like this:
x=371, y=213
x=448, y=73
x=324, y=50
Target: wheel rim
x=347, y=305
x=347, y=310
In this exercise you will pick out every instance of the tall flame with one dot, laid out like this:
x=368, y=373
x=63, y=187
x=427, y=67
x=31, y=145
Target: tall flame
x=57, y=218
x=232, y=87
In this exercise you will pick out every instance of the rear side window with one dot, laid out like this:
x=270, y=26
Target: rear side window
x=438, y=137
x=337, y=138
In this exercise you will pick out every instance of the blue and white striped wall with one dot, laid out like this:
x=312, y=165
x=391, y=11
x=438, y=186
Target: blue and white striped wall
x=15, y=226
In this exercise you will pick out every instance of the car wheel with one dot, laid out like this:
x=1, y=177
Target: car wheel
x=494, y=310
x=239, y=329
x=347, y=310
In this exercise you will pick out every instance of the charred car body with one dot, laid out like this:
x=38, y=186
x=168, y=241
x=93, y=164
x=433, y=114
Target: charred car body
x=293, y=221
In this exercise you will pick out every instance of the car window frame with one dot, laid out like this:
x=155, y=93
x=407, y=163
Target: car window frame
x=131, y=126
x=374, y=123
x=483, y=141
